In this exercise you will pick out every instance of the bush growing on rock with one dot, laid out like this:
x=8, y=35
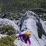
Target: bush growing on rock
x=7, y=29
x=7, y=41
x=39, y=33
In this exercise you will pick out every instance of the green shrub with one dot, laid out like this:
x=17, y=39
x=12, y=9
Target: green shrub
x=7, y=41
x=6, y=29
x=10, y=32
x=39, y=32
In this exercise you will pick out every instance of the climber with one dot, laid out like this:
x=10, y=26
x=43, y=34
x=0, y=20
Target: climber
x=25, y=37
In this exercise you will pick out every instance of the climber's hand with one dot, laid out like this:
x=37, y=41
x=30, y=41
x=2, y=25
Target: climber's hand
x=17, y=38
x=28, y=45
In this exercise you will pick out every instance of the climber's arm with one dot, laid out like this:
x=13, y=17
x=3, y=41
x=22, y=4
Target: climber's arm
x=20, y=35
x=29, y=42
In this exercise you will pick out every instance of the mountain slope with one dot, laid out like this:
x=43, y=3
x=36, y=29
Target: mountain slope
x=30, y=21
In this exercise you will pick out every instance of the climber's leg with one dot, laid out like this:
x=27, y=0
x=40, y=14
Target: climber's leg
x=25, y=41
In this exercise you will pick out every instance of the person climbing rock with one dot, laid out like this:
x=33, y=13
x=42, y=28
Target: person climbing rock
x=25, y=37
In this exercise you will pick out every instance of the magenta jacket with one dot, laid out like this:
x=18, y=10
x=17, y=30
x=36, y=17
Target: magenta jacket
x=24, y=37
